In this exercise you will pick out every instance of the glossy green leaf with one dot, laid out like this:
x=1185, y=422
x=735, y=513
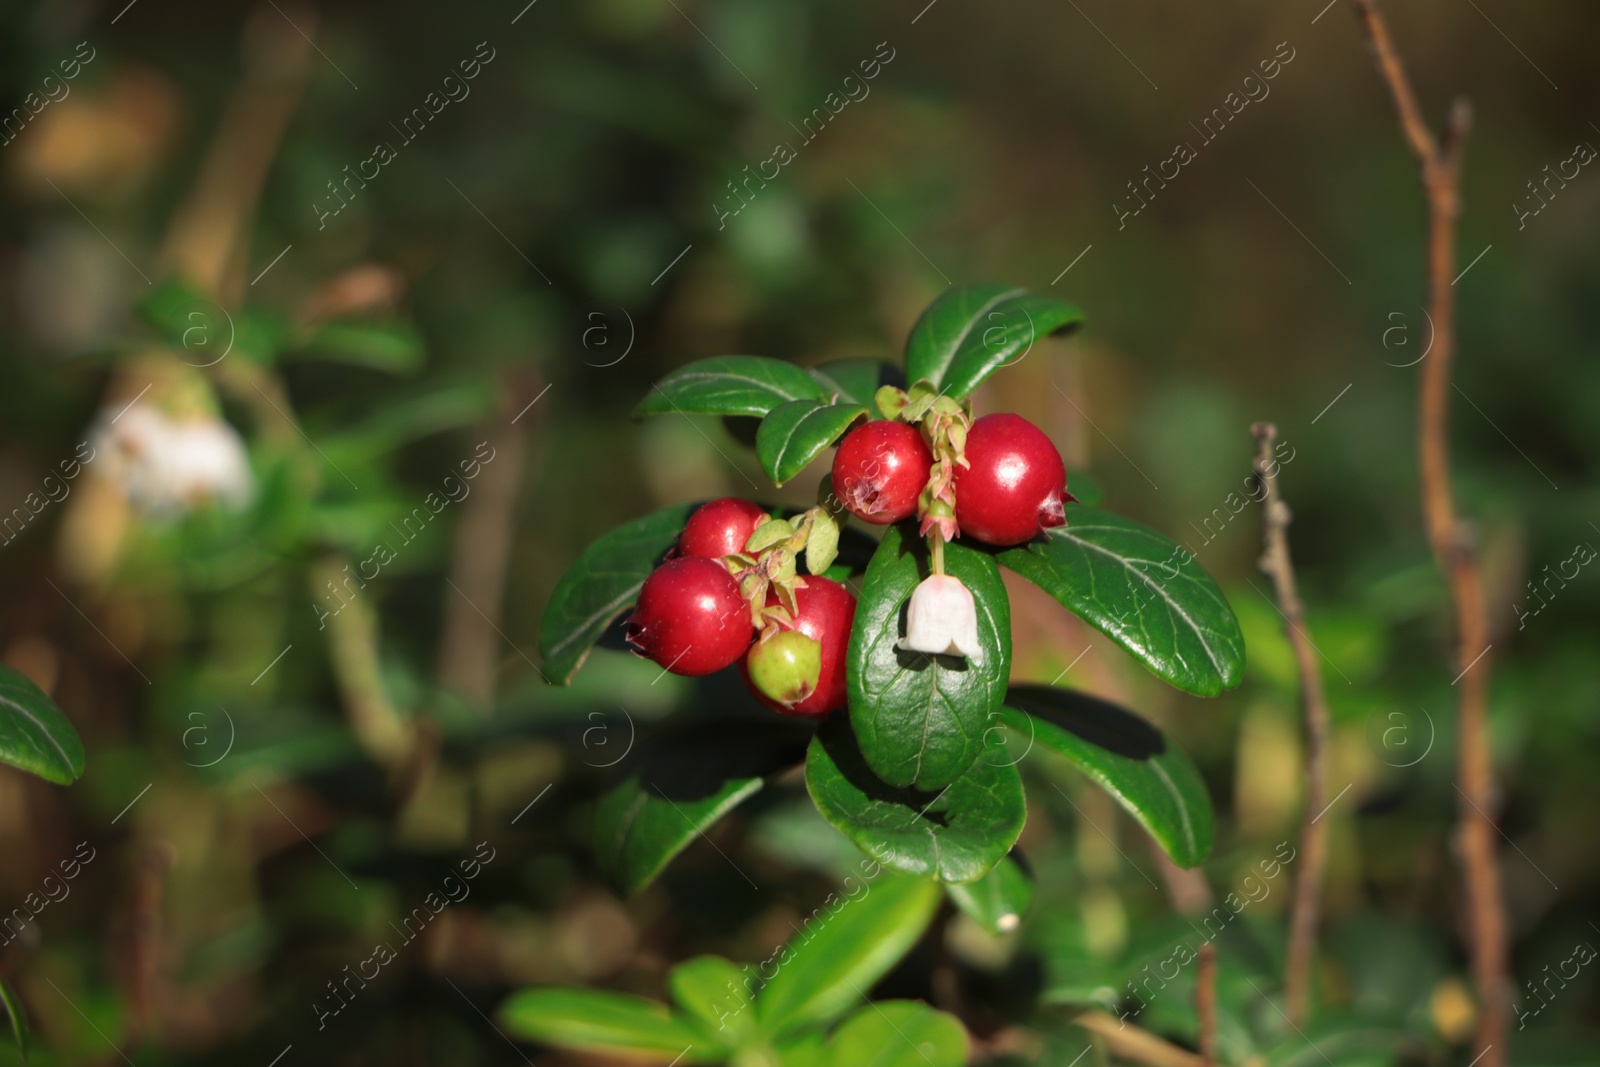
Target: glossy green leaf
x=600, y=1020
x=1153, y=780
x=1141, y=590
x=716, y=993
x=601, y=585
x=730, y=385
x=857, y=380
x=972, y=331
x=997, y=901
x=394, y=346
x=795, y=433
x=18, y=1020
x=842, y=953
x=676, y=785
x=956, y=833
x=35, y=735
x=900, y=1033
x=920, y=718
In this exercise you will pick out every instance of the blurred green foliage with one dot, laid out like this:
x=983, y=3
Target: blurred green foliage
x=555, y=239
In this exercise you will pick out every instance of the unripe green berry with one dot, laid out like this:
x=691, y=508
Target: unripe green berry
x=785, y=667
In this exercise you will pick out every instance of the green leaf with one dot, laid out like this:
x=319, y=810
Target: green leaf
x=203, y=333
x=970, y=332
x=807, y=1050
x=997, y=901
x=394, y=346
x=260, y=335
x=900, y=1033
x=955, y=834
x=676, y=785
x=845, y=951
x=595, y=1019
x=601, y=585
x=400, y=421
x=1153, y=780
x=920, y=718
x=795, y=433
x=1142, y=591
x=857, y=381
x=35, y=735
x=730, y=385
x=715, y=992
x=19, y=1020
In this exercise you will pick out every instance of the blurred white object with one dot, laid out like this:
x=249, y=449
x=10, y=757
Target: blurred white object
x=942, y=619
x=164, y=465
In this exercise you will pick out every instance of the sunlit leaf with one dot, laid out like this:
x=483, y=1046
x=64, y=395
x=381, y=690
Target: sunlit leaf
x=795, y=433
x=972, y=331
x=900, y=1033
x=603, y=1021
x=842, y=953
x=730, y=385
x=1141, y=590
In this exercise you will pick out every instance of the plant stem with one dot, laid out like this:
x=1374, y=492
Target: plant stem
x=483, y=538
x=209, y=234
x=378, y=726
x=1440, y=163
x=1133, y=1044
x=936, y=546
x=1277, y=565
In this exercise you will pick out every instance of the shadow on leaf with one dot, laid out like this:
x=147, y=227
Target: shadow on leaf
x=1098, y=722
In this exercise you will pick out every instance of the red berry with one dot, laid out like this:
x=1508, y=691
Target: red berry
x=827, y=611
x=720, y=528
x=880, y=469
x=690, y=618
x=1016, y=485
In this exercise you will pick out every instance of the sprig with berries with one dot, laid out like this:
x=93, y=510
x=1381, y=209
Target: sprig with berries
x=876, y=621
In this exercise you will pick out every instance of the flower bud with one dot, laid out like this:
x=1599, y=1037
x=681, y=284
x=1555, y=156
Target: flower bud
x=942, y=619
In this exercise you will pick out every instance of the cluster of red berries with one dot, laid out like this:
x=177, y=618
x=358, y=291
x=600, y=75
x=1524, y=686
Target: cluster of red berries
x=692, y=618
x=1013, y=487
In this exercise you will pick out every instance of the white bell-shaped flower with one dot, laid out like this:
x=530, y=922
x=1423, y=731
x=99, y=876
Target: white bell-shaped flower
x=942, y=619
x=165, y=465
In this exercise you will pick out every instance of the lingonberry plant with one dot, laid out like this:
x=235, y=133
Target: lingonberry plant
x=909, y=686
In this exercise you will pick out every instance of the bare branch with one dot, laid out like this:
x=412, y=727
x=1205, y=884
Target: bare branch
x=1277, y=565
x=1133, y=1044
x=1205, y=1003
x=1452, y=547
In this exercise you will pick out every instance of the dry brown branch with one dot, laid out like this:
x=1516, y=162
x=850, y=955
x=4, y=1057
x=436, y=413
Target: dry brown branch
x=1133, y=1044
x=207, y=239
x=1453, y=550
x=1205, y=1003
x=470, y=641
x=1277, y=565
